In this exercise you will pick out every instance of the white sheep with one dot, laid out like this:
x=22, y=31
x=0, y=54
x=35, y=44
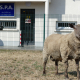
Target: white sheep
x=63, y=48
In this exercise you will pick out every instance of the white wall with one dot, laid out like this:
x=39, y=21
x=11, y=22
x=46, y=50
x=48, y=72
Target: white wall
x=72, y=7
x=57, y=7
x=63, y=10
x=60, y=10
x=9, y=38
x=39, y=14
x=39, y=19
x=65, y=7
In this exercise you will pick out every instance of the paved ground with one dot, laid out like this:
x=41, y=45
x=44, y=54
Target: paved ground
x=29, y=47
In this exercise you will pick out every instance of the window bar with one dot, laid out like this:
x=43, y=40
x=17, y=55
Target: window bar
x=13, y=24
x=10, y=24
x=1, y=23
x=64, y=24
x=7, y=24
x=4, y=24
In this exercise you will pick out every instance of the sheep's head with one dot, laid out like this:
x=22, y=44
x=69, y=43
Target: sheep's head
x=76, y=30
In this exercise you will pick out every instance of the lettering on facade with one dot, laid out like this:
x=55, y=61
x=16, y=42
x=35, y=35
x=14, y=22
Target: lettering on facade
x=5, y=7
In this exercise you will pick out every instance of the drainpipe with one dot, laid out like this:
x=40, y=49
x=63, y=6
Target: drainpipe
x=44, y=31
x=46, y=18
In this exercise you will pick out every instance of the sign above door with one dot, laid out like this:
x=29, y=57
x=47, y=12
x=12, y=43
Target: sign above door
x=7, y=9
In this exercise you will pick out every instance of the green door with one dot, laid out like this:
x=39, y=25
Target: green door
x=27, y=27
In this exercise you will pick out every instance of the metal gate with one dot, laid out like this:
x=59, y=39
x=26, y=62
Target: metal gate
x=27, y=26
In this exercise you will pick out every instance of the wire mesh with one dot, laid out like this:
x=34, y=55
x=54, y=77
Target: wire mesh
x=33, y=28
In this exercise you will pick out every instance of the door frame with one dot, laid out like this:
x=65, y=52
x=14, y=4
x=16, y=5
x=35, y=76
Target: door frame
x=34, y=20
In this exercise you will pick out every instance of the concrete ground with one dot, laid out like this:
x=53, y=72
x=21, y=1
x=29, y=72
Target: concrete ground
x=29, y=47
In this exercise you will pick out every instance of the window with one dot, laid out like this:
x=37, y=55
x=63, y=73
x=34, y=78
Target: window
x=8, y=24
x=65, y=24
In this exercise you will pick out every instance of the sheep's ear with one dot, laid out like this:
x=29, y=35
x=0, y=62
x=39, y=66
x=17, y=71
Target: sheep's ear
x=72, y=26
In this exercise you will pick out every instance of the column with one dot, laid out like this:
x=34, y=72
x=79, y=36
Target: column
x=46, y=18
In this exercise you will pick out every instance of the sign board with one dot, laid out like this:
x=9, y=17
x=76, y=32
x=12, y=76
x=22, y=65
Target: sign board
x=6, y=9
x=27, y=20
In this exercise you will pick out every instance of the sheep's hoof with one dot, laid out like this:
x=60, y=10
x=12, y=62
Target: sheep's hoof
x=44, y=72
x=66, y=79
x=56, y=73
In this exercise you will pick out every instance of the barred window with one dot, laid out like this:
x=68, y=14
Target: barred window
x=8, y=24
x=65, y=24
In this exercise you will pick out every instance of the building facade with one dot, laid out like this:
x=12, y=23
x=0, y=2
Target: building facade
x=27, y=18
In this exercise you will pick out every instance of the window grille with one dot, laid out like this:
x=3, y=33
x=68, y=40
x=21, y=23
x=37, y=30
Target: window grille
x=8, y=24
x=65, y=24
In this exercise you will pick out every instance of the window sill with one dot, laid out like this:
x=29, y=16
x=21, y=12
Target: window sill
x=9, y=30
x=70, y=30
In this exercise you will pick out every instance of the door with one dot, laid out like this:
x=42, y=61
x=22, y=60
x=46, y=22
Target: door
x=27, y=26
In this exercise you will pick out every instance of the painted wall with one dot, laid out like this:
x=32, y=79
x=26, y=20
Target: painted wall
x=60, y=10
x=39, y=19
x=63, y=10
x=39, y=15
x=72, y=7
x=9, y=38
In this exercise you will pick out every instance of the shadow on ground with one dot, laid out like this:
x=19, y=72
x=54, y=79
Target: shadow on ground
x=74, y=73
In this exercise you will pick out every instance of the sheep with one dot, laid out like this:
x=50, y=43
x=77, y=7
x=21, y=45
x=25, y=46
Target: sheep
x=63, y=48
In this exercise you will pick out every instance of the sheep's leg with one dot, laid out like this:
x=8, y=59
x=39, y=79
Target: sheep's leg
x=44, y=64
x=77, y=67
x=66, y=69
x=56, y=66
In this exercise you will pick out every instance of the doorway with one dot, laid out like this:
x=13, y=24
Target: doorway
x=27, y=22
